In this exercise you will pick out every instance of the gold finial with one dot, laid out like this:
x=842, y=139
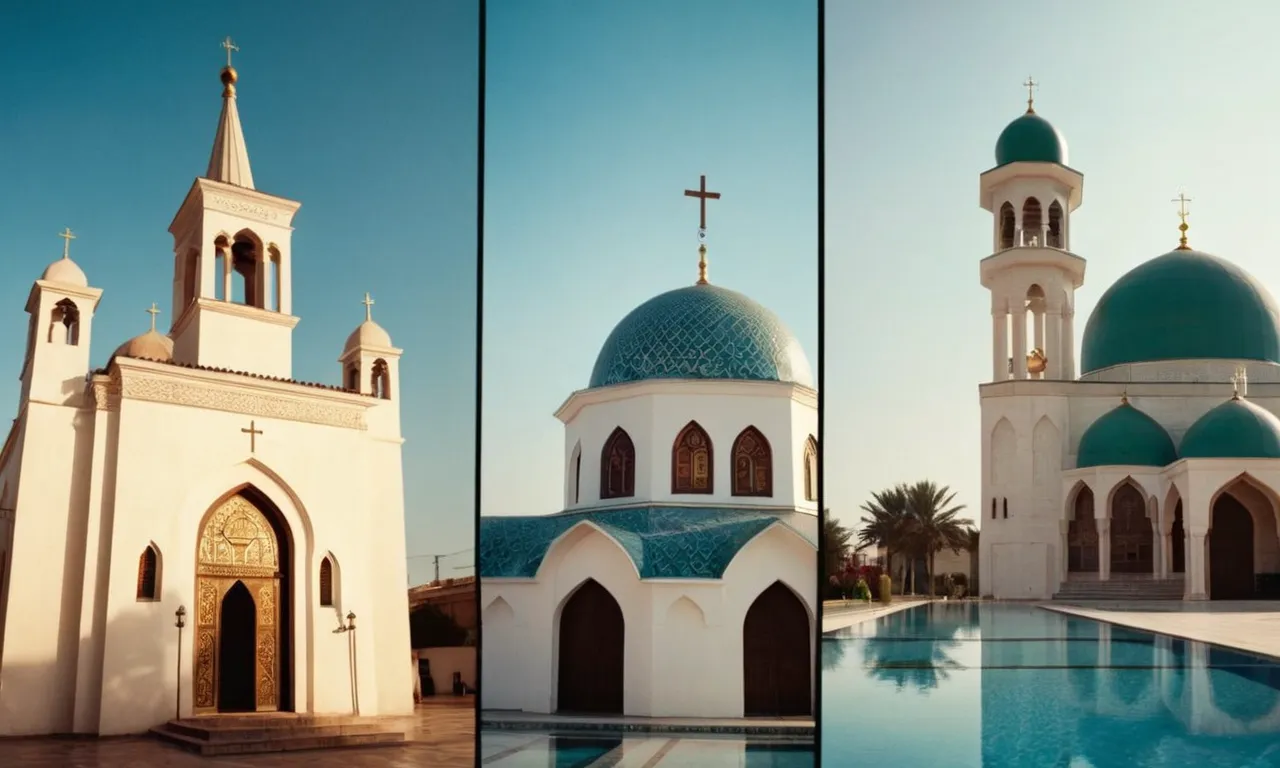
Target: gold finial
x=368, y=308
x=153, y=312
x=702, y=264
x=703, y=196
x=229, y=75
x=67, y=237
x=1124, y=395
x=1183, y=213
x=1030, y=85
x=1239, y=381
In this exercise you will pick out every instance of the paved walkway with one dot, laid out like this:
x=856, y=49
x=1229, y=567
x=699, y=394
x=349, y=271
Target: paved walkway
x=1252, y=626
x=442, y=733
x=838, y=614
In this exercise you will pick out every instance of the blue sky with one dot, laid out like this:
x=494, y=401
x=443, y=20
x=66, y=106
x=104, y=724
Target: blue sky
x=598, y=117
x=367, y=115
x=1152, y=97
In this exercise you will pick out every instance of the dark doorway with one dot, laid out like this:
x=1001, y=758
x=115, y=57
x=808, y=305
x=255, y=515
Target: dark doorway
x=236, y=640
x=1131, y=533
x=1082, y=536
x=592, y=636
x=1230, y=550
x=776, y=655
x=1178, y=541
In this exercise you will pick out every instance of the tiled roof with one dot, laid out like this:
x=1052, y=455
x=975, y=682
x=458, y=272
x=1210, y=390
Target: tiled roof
x=194, y=367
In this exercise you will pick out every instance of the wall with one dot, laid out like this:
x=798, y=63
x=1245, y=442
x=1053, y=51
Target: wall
x=444, y=662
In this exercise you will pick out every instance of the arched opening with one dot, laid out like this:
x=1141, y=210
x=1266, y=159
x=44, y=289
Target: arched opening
x=64, y=323
x=691, y=467
x=1082, y=535
x=351, y=379
x=1230, y=550
x=1004, y=502
x=1032, y=221
x=246, y=271
x=591, y=657
x=618, y=466
x=1131, y=543
x=380, y=380
x=1178, y=541
x=190, y=280
x=238, y=623
x=148, y=573
x=752, y=464
x=1007, y=224
x=221, y=257
x=810, y=469
x=776, y=653
x=275, y=293
x=1056, y=239
x=575, y=474
x=326, y=582
x=1037, y=363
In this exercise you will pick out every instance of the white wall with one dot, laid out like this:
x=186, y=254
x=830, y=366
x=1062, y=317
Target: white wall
x=446, y=661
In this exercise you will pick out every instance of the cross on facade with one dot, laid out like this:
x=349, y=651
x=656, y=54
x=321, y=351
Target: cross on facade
x=153, y=312
x=368, y=307
x=253, y=433
x=1030, y=85
x=67, y=237
x=703, y=196
x=230, y=46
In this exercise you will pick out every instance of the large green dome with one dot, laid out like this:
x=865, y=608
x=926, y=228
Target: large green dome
x=1031, y=139
x=1125, y=437
x=1184, y=305
x=1237, y=429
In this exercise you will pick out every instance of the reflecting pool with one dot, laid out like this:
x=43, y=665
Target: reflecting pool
x=528, y=749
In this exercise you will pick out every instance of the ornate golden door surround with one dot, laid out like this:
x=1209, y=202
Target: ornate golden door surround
x=237, y=543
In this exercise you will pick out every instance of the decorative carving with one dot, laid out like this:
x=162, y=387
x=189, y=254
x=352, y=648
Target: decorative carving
x=266, y=668
x=242, y=208
x=237, y=536
x=160, y=389
x=204, y=697
x=106, y=392
x=267, y=603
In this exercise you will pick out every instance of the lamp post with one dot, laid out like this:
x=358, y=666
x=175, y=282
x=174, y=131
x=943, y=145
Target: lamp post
x=181, y=621
x=355, y=675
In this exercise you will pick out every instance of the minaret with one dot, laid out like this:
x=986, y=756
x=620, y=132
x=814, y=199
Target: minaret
x=232, y=294
x=1031, y=193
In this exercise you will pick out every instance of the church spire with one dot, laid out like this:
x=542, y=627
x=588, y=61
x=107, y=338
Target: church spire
x=229, y=162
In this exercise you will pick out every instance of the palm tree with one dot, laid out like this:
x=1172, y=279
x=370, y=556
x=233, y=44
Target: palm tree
x=933, y=523
x=835, y=543
x=888, y=523
x=973, y=539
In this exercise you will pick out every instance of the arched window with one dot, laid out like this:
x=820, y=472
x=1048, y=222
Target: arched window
x=618, y=466
x=246, y=271
x=1006, y=225
x=352, y=379
x=64, y=324
x=1005, y=502
x=326, y=581
x=1055, y=225
x=1032, y=216
x=691, y=468
x=148, y=567
x=575, y=476
x=381, y=380
x=272, y=271
x=810, y=469
x=993, y=507
x=752, y=464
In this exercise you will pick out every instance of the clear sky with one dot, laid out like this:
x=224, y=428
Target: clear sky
x=1151, y=97
x=598, y=117
x=365, y=114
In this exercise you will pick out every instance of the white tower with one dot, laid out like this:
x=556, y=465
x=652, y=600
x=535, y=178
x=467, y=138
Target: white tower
x=1031, y=193
x=232, y=286
x=61, y=305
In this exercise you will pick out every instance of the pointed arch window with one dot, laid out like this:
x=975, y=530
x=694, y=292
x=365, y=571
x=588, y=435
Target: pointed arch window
x=618, y=466
x=1032, y=217
x=993, y=508
x=752, y=464
x=326, y=582
x=380, y=380
x=577, y=473
x=148, y=573
x=64, y=323
x=1055, y=225
x=810, y=469
x=691, y=467
x=353, y=378
x=1006, y=225
x=1005, y=502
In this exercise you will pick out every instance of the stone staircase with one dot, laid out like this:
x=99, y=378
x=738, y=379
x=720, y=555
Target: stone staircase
x=276, y=732
x=1121, y=589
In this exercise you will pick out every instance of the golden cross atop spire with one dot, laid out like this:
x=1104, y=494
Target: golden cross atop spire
x=230, y=46
x=368, y=308
x=1030, y=85
x=67, y=237
x=703, y=196
x=153, y=311
x=1183, y=213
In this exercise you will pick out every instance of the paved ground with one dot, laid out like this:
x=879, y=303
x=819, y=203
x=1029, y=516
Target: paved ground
x=442, y=733
x=1249, y=626
x=838, y=614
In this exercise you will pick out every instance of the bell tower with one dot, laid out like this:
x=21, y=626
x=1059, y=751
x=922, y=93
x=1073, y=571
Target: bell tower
x=232, y=276
x=1031, y=273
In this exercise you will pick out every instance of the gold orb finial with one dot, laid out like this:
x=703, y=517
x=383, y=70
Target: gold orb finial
x=229, y=75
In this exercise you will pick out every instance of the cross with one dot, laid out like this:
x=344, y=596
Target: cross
x=1182, y=201
x=230, y=46
x=1030, y=85
x=253, y=433
x=1239, y=380
x=67, y=237
x=703, y=196
x=153, y=312
x=368, y=308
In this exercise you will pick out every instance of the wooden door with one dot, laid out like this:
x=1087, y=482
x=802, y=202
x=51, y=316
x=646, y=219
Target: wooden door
x=777, y=656
x=592, y=636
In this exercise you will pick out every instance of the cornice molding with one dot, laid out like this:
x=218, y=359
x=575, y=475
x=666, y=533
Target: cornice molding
x=698, y=387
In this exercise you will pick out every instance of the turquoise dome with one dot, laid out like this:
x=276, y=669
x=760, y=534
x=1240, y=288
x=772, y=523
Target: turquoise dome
x=1031, y=139
x=1125, y=437
x=701, y=332
x=1184, y=305
x=1237, y=429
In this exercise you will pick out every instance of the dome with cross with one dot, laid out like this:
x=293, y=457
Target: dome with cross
x=1031, y=138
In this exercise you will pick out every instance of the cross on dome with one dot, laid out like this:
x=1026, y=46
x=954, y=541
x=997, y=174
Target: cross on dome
x=703, y=196
x=368, y=308
x=1183, y=213
x=153, y=311
x=67, y=237
x=1030, y=85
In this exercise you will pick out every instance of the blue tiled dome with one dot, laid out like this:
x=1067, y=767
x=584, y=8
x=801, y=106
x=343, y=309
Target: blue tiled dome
x=701, y=332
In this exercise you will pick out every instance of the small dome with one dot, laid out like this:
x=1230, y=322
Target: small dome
x=369, y=334
x=1237, y=429
x=1184, y=305
x=1031, y=139
x=66, y=272
x=701, y=332
x=1125, y=437
x=151, y=345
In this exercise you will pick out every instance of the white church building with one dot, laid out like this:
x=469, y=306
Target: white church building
x=1154, y=472
x=681, y=578
x=189, y=529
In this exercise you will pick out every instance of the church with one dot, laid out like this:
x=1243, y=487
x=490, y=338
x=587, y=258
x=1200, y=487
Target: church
x=680, y=580
x=1154, y=472
x=190, y=531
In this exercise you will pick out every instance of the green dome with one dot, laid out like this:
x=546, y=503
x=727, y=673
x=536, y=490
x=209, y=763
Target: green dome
x=1184, y=305
x=1125, y=437
x=1031, y=139
x=1237, y=429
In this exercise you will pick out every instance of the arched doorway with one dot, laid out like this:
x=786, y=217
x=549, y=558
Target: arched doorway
x=243, y=599
x=776, y=655
x=1178, y=541
x=1230, y=550
x=1082, y=535
x=1131, y=544
x=592, y=637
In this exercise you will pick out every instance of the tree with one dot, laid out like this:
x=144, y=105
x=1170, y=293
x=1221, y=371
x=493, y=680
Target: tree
x=835, y=544
x=887, y=524
x=974, y=538
x=933, y=522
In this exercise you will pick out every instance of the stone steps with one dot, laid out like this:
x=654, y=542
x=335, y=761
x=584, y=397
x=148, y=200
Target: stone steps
x=256, y=734
x=1155, y=589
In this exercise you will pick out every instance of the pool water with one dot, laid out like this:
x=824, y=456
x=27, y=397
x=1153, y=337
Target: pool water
x=955, y=685
x=517, y=749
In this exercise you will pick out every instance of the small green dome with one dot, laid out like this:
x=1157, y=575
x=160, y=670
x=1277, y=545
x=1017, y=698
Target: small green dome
x=1125, y=437
x=1184, y=305
x=1237, y=429
x=1031, y=139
